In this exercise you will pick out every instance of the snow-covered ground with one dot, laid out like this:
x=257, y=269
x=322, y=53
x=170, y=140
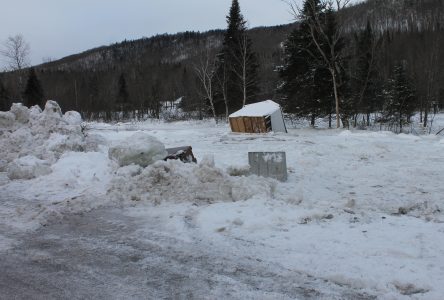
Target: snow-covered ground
x=361, y=211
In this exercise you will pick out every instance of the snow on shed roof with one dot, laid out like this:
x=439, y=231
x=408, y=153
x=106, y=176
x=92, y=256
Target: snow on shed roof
x=259, y=109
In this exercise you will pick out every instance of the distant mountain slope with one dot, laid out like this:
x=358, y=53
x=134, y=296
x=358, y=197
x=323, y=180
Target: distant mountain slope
x=162, y=68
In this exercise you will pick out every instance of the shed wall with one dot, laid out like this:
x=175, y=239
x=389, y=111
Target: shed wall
x=249, y=124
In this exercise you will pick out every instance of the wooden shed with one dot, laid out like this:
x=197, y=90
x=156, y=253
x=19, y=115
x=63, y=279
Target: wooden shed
x=261, y=117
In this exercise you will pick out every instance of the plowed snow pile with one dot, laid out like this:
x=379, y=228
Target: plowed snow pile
x=31, y=140
x=174, y=181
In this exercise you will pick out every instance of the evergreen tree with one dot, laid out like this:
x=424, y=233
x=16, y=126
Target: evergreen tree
x=239, y=61
x=306, y=82
x=33, y=94
x=123, y=90
x=366, y=84
x=4, y=97
x=123, y=96
x=400, y=98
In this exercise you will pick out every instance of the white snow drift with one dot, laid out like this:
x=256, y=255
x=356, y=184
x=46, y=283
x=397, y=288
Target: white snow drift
x=31, y=140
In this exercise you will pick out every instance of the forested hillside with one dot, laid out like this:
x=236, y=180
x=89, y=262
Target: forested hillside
x=138, y=75
x=160, y=68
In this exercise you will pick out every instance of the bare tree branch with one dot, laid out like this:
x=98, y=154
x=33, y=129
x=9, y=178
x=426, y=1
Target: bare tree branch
x=205, y=72
x=16, y=51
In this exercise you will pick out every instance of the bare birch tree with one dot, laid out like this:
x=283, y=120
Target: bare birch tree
x=16, y=51
x=222, y=81
x=205, y=72
x=244, y=60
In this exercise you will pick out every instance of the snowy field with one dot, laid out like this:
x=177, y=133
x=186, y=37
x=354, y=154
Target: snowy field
x=360, y=217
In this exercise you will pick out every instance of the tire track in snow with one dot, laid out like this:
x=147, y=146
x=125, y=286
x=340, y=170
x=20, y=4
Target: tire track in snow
x=103, y=255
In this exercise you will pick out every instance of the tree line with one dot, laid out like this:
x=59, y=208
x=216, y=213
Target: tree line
x=137, y=78
x=364, y=64
x=376, y=62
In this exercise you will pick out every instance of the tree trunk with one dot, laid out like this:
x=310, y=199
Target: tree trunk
x=426, y=117
x=335, y=89
x=345, y=122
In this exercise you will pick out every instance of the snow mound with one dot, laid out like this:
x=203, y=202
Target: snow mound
x=31, y=140
x=6, y=119
x=72, y=118
x=174, y=181
x=27, y=167
x=20, y=112
x=140, y=149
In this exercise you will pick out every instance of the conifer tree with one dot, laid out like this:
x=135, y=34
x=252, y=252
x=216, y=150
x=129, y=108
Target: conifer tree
x=123, y=90
x=33, y=94
x=123, y=96
x=366, y=83
x=239, y=61
x=4, y=97
x=400, y=98
x=327, y=36
x=306, y=82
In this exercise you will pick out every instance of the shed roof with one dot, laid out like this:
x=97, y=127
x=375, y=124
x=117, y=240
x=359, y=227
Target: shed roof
x=259, y=109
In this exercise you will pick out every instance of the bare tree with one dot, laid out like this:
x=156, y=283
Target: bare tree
x=244, y=59
x=206, y=71
x=222, y=81
x=320, y=37
x=16, y=51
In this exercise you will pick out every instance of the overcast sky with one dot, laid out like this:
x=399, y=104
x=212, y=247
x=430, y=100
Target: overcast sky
x=57, y=28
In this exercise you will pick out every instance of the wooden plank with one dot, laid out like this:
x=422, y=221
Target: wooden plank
x=235, y=126
x=261, y=125
x=248, y=125
x=232, y=124
x=241, y=124
x=255, y=125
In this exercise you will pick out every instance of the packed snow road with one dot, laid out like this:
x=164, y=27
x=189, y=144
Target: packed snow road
x=104, y=254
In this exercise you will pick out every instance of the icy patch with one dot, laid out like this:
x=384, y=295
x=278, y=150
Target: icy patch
x=6, y=243
x=140, y=149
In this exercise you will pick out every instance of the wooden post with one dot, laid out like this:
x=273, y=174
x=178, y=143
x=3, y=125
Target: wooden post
x=269, y=164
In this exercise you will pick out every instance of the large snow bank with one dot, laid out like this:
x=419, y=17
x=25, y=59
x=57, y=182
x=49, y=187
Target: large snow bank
x=140, y=149
x=31, y=140
x=174, y=181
